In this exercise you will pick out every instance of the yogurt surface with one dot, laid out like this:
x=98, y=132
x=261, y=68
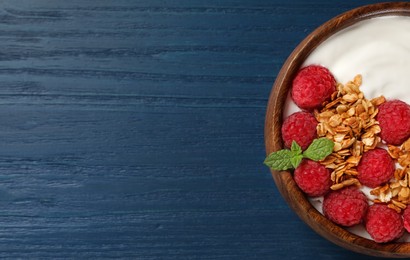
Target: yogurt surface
x=379, y=50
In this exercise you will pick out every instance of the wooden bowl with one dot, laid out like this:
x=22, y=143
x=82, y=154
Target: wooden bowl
x=273, y=140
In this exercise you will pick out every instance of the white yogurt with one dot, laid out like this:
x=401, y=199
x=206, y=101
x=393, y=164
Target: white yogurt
x=379, y=50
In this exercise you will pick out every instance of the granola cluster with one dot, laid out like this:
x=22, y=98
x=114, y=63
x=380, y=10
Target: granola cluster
x=349, y=121
x=396, y=193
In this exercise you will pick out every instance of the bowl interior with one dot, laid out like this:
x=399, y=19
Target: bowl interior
x=273, y=141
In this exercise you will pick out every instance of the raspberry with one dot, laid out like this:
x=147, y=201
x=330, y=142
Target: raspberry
x=299, y=127
x=346, y=207
x=312, y=178
x=375, y=168
x=394, y=119
x=383, y=223
x=406, y=219
x=312, y=86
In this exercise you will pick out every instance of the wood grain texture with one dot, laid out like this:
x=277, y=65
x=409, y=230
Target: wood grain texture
x=134, y=129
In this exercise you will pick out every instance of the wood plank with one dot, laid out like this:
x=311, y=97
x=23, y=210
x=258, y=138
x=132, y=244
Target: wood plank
x=134, y=129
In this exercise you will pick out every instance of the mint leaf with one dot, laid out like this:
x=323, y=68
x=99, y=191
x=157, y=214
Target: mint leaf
x=319, y=149
x=296, y=148
x=287, y=159
x=295, y=161
x=279, y=160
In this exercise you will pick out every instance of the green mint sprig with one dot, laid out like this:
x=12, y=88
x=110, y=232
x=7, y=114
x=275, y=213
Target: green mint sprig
x=287, y=159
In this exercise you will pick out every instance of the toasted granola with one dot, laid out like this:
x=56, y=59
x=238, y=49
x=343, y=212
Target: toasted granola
x=348, y=119
x=396, y=193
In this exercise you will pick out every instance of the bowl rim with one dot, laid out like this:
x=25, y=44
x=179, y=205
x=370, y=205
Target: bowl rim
x=273, y=141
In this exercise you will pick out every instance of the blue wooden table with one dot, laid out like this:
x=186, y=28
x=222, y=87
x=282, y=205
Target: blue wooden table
x=134, y=129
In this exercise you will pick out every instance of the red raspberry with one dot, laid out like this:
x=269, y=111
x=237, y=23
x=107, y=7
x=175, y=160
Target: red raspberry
x=346, y=207
x=375, y=168
x=299, y=127
x=394, y=119
x=312, y=86
x=312, y=178
x=406, y=219
x=383, y=223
